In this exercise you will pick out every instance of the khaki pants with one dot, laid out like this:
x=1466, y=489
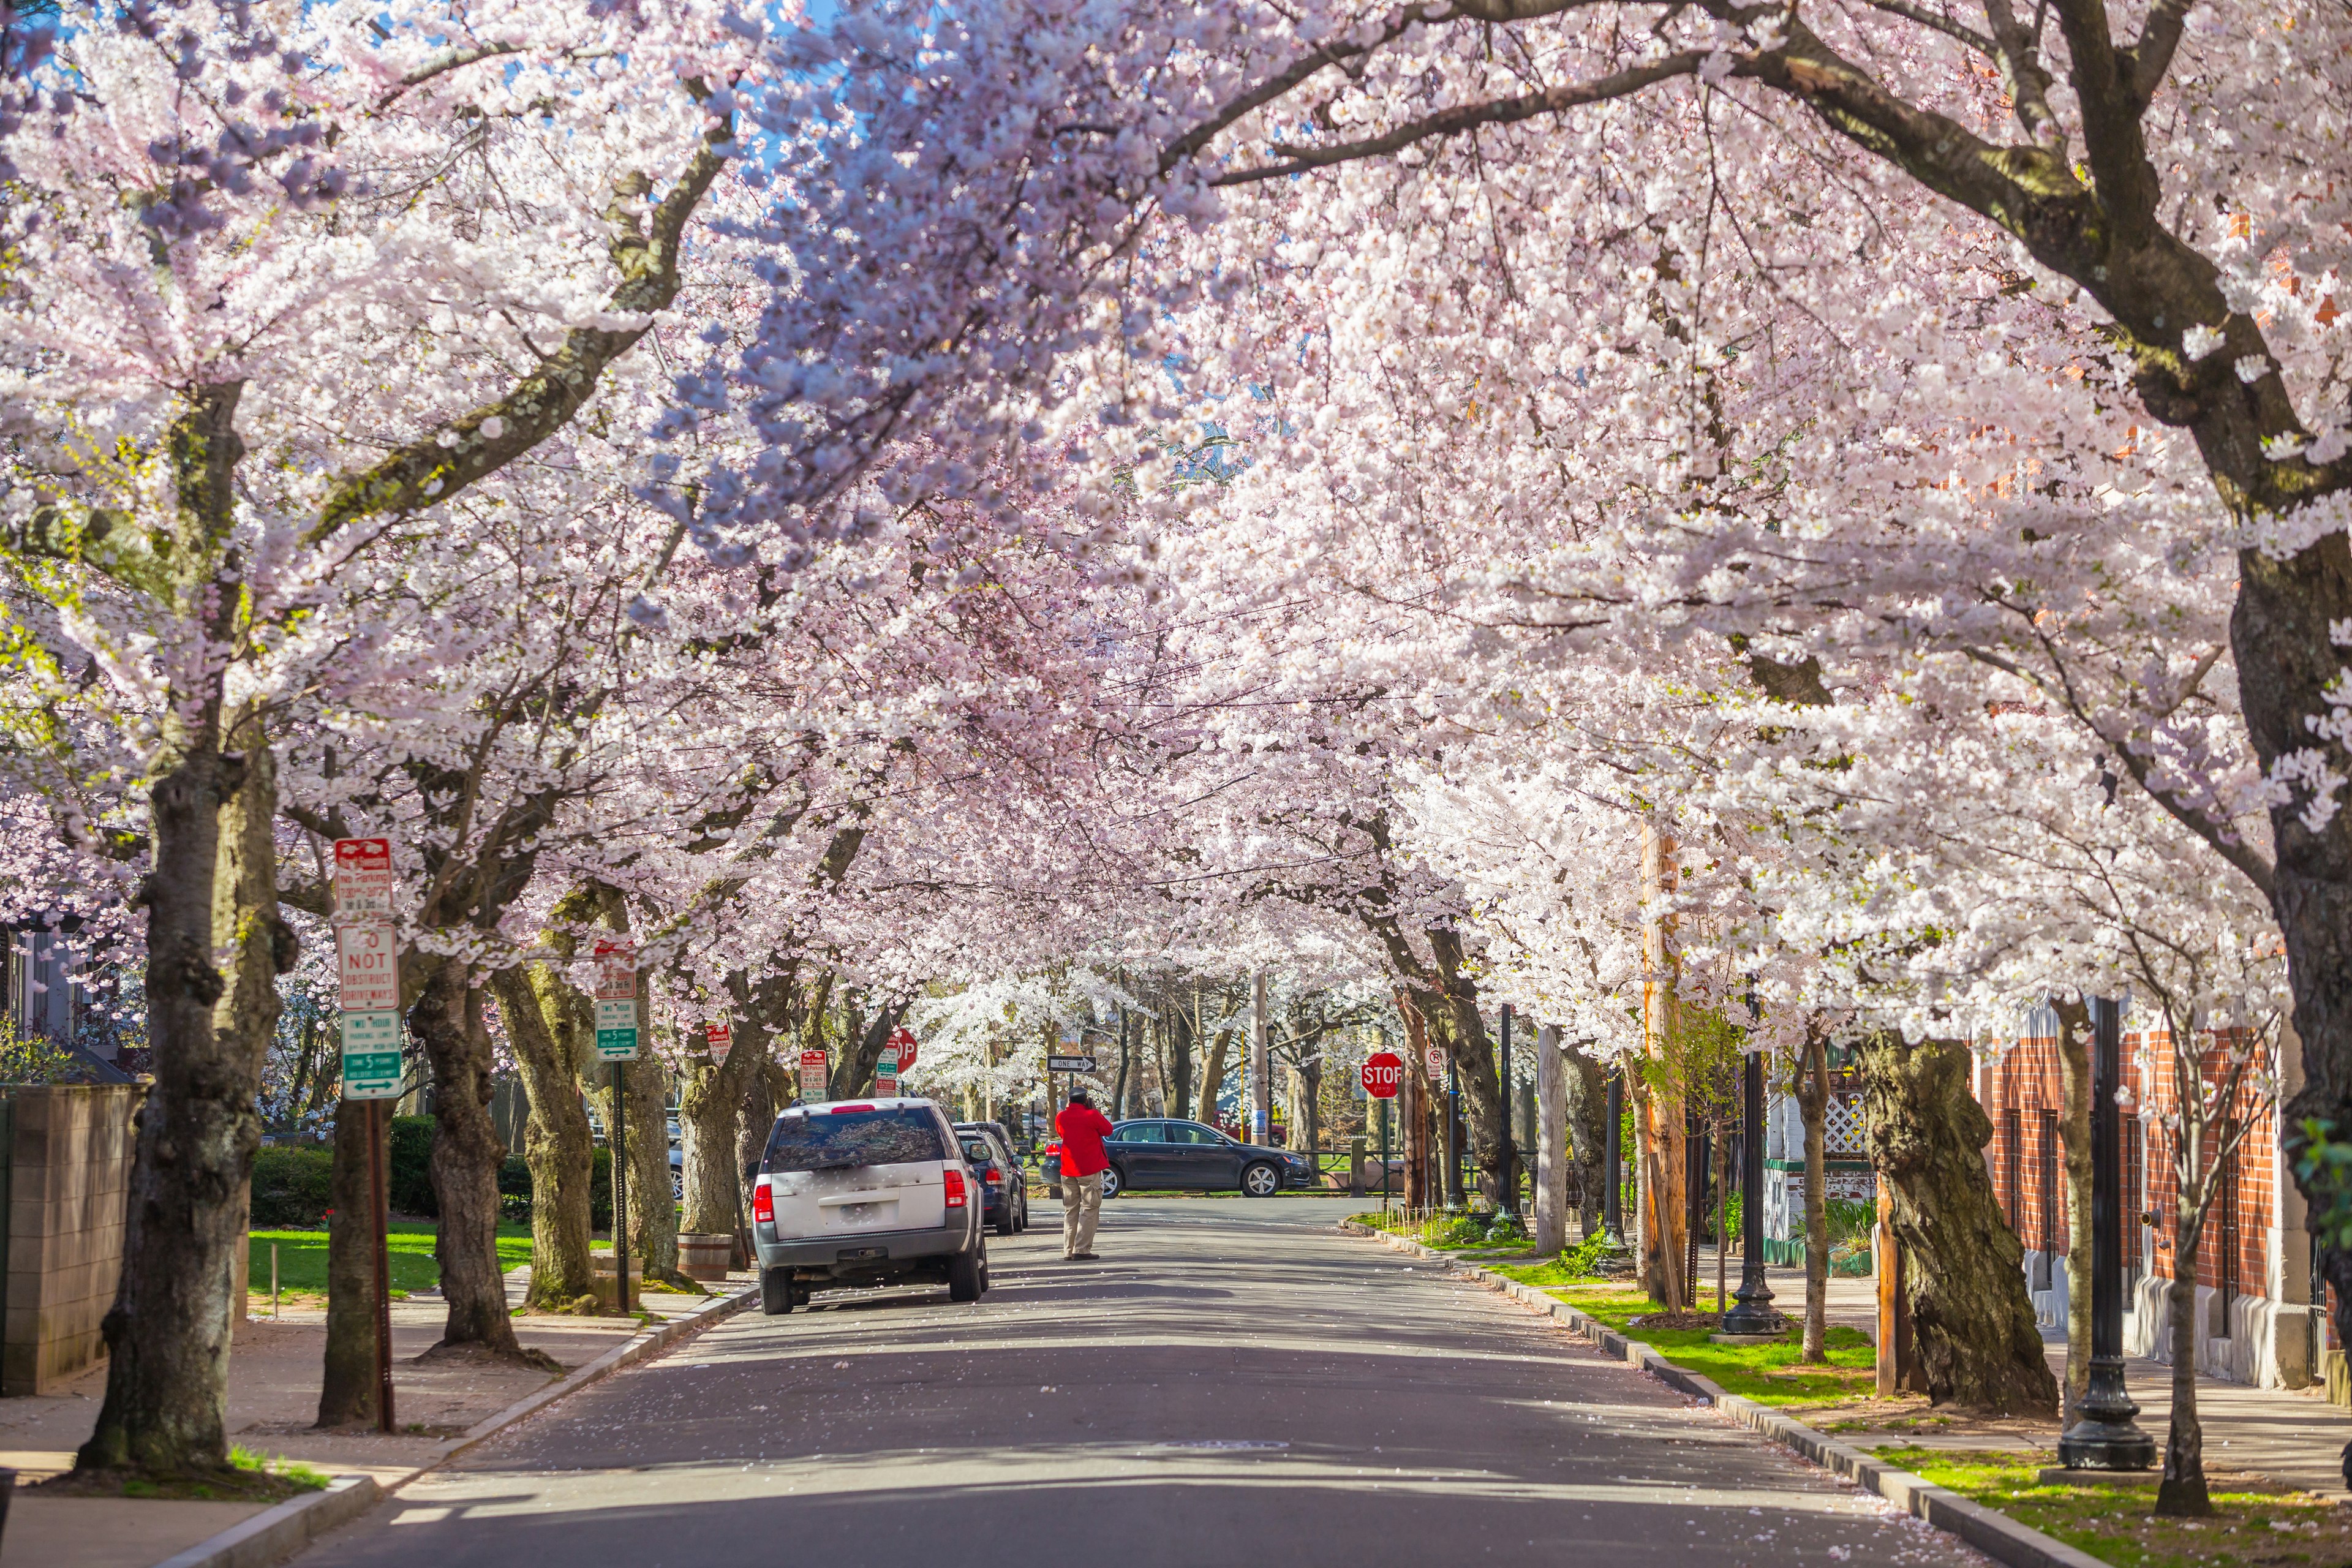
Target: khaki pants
x=1081, y=1206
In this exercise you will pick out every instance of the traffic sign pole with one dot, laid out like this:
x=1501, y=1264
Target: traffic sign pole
x=367, y=959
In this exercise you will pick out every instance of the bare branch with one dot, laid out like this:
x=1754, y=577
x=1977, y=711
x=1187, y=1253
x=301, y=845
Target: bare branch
x=1470, y=116
x=2151, y=58
x=1960, y=31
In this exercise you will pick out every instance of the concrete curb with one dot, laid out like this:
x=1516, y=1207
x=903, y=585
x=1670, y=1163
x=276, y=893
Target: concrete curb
x=278, y=1534
x=1996, y=1535
x=628, y=1353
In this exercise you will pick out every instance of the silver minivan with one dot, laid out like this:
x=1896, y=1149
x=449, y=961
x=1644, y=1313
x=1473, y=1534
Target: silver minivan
x=866, y=1192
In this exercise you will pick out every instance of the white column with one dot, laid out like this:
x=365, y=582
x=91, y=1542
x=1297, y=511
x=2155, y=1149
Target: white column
x=1261, y=1069
x=1551, y=1144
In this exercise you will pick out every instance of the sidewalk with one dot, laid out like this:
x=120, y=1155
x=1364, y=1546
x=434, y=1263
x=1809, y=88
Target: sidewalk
x=273, y=1397
x=2292, y=1435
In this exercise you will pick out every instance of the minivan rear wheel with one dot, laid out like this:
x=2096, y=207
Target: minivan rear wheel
x=964, y=1276
x=776, y=1291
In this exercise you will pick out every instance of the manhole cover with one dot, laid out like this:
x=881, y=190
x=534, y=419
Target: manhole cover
x=1228, y=1444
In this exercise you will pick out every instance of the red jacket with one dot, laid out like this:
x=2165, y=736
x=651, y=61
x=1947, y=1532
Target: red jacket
x=1082, y=1129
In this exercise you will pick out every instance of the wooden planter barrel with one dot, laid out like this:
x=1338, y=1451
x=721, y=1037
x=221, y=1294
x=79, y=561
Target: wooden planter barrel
x=704, y=1256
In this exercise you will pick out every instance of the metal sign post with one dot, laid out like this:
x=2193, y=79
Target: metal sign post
x=1382, y=1076
x=616, y=1042
x=367, y=959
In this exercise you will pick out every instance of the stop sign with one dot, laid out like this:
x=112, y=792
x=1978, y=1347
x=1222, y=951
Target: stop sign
x=905, y=1040
x=1383, y=1071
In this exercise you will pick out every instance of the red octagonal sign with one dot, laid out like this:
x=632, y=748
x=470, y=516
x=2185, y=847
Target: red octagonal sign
x=1383, y=1071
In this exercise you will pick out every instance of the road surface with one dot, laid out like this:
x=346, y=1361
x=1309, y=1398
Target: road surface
x=1234, y=1382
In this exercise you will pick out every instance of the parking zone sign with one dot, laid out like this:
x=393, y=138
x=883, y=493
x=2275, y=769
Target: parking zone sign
x=812, y=1075
x=372, y=1068
x=617, y=1001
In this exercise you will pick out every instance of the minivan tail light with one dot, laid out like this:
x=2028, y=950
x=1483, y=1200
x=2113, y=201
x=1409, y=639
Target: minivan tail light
x=953, y=1180
x=763, y=1204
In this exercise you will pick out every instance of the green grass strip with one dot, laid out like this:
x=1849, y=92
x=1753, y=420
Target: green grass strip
x=302, y=1258
x=2251, y=1524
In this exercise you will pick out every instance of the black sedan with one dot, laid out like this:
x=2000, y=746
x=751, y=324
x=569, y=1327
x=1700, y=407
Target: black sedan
x=1188, y=1155
x=1004, y=1196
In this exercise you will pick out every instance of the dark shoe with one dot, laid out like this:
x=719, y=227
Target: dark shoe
x=1082, y=1257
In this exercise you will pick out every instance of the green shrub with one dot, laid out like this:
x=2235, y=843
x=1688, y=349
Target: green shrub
x=412, y=1178
x=292, y=1188
x=411, y=1167
x=1851, y=1219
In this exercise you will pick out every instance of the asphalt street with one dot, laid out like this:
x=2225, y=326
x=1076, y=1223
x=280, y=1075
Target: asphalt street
x=1234, y=1382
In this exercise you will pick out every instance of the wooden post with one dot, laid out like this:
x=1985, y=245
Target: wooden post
x=1894, y=1309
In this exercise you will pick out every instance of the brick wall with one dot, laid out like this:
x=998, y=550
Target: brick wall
x=68, y=1174
x=2020, y=1089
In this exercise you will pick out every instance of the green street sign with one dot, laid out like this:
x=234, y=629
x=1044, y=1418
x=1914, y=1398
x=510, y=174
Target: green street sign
x=617, y=1028
x=371, y=1059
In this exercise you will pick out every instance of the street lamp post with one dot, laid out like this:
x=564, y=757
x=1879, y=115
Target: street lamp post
x=1752, y=1306
x=1510, y=1194
x=1613, y=1212
x=2104, y=1437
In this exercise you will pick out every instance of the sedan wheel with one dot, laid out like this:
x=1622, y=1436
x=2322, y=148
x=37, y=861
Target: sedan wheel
x=1111, y=1183
x=1261, y=1180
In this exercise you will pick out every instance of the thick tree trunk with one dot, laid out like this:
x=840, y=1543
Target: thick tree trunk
x=855, y=1075
x=1812, y=1088
x=548, y=1021
x=2183, y=1489
x=709, y=1104
x=1552, y=1156
x=2074, y=1126
x=211, y=897
x=1588, y=1131
x=1965, y=1281
x=653, y=1203
x=347, y=1394
x=1412, y=1107
x=446, y=1019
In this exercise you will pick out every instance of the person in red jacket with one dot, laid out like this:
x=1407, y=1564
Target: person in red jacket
x=1082, y=1130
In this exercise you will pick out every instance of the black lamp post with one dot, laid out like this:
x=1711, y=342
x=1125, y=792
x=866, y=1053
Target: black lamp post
x=1613, y=1210
x=2104, y=1437
x=1510, y=1194
x=1751, y=1305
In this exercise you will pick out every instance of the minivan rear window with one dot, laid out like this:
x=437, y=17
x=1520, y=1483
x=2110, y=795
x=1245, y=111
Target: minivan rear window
x=833, y=1141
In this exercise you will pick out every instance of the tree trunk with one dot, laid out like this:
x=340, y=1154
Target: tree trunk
x=1722, y=1217
x=549, y=1023
x=763, y=1089
x=1413, y=1113
x=1552, y=1159
x=2075, y=1077
x=212, y=895
x=1812, y=1088
x=855, y=1075
x=346, y=1395
x=1587, y=1092
x=1212, y=1076
x=446, y=1019
x=709, y=1101
x=653, y=1203
x=1183, y=1033
x=1964, y=1276
x=2181, y=1491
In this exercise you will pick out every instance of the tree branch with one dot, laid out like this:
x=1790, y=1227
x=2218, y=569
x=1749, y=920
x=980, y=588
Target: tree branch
x=1470, y=116
x=427, y=472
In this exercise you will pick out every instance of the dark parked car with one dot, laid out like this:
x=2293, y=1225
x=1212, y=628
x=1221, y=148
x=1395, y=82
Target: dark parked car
x=1161, y=1153
x=1004, y=1196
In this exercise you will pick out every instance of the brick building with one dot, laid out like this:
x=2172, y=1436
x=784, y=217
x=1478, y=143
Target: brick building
x=2255, y=1277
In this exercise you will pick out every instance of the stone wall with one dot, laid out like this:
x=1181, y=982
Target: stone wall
x=68, y=1176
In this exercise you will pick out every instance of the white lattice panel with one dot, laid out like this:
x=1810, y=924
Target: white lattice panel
x=1842, y=1128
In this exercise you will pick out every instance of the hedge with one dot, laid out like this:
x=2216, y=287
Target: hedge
x=293, y=1187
